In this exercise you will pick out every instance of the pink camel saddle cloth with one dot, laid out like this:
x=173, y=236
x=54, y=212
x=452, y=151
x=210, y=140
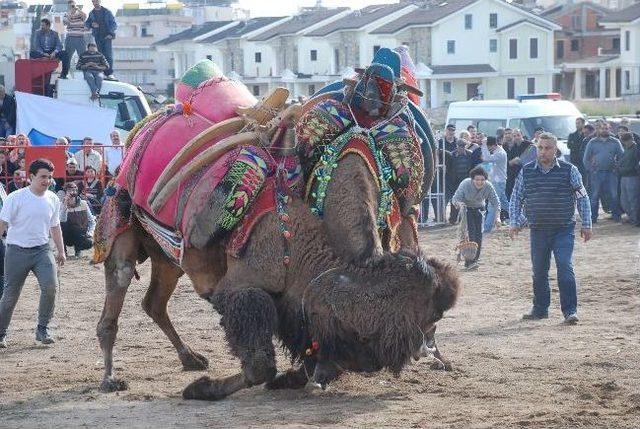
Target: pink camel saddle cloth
x=159, y=140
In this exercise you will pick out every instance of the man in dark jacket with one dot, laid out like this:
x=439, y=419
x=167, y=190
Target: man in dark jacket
x=576, y=145
x=103, y=25
x=46, y=44
x=629, y=173
x=7, y=113
x=458, y=167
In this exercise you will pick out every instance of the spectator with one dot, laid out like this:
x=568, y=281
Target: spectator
x=115, y=153
x=92, y=189
x=72, y=174
x=31, y=215
x=626, y=122
x=7, y=113
x=472, y=130
x=63, y=141
x=521, y=153
x=626, y=129
x=19, y=181
x=499, y=135
x=93, y=63
x=88, y=156
x=458, y=167
x=46, y=44
x=3, y=197
x=629, y=172
x=103, y=25
x=599, y=160
x=536, y=134
x=473, y=194
x=74, y=41
x=449, y=141
x=77, y=220
x=507, y=140
x=576, y=143
x=549, y=190
x=496, y=156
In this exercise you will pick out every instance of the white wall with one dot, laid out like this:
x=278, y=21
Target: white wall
x=268, y=64
x=325, y=63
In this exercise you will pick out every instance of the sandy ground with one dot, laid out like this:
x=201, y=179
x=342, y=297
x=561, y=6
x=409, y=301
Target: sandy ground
x=508, y=373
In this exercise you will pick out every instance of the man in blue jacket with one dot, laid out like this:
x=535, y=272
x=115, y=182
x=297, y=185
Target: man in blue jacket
x=103, y=25
x=46, y=44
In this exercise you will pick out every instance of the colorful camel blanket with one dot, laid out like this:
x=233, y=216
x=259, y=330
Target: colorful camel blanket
x=327, y=125
x=115, y=218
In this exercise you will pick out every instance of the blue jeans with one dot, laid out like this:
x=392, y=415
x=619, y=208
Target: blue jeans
x=104, y=46
x=501, y=190
x=604, y=185
x=559, y=241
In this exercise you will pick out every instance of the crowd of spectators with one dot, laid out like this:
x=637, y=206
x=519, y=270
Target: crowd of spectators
x=607, y=161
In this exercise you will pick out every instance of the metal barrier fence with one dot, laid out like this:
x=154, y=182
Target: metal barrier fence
x=436, y=201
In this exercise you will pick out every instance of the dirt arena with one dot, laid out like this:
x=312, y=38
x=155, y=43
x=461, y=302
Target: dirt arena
x=508, y=373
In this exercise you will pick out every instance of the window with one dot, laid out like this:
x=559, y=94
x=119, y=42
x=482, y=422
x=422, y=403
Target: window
x=258, y=57
x=314, y=55
x=312, y=90
x=533, y=47
x=511, y=88
x=575, y=45
x=493, y=45
x=376, y=48
x=210, y=57
x=256, y=89
x=493, y=20
x=576, y=22
x=468, y=21
x=451, y=46
x=144, y=32
x=615, y=44
x=560, y=49
x=513, y=49
x=627, y=80
x=446, y=87
x=627, y=40
x=531, y=85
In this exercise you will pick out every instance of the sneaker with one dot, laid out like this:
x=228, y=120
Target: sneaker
x=534, y=316
x=3, y=342
x=571, y=319
x=63, y=77
x=110, y=77
x=42, y=335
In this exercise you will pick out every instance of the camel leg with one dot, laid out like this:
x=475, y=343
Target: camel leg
x=293, y=378
x=119, y=270
x=249, y=319
x=164, y=278
x=441, y=362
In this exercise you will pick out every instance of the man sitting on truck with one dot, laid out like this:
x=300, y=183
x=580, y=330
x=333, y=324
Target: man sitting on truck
x=46, y=44
x=93, y=64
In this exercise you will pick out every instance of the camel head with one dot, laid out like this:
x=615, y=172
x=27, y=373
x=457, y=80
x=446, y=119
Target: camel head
x=375, y=317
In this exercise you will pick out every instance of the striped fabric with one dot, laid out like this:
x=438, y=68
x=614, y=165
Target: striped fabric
x=75, y=24
x=168, y=239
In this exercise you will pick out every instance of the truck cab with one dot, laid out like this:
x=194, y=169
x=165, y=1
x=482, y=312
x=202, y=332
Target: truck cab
x=126, y=99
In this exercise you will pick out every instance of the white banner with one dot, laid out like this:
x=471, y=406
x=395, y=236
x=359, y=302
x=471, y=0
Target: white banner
x=44, y=118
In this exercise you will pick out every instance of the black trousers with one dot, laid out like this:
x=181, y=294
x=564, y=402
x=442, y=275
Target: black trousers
x=1, y=267
x=62, y=56
x=76, y=237
x=474, y=226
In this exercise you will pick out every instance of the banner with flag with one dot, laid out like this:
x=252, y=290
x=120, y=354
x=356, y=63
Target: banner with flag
x=44, y=119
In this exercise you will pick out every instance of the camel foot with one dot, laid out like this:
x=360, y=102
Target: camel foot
x=113, y=385
x=208, y=389
x=442, y=365
x=292, y=379
x=192, y=361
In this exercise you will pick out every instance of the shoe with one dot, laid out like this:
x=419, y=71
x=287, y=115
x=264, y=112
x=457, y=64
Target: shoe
x=110, y=77
x=534, y=316
x=571, y=319
x=3, y=342
x=63, y=77
x=42, y=335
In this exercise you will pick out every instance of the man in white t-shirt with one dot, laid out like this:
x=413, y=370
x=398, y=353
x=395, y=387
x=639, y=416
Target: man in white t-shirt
x=31, y=214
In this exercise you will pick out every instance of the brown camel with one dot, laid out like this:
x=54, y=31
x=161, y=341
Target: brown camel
x=330, y=314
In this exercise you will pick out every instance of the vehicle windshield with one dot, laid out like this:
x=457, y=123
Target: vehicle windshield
x=133, y=106
x=486, y=126
x=559, y=126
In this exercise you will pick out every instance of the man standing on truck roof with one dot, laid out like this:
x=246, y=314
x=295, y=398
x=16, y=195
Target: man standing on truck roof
x=74, y=40
x=103, y=25
x=46, y=44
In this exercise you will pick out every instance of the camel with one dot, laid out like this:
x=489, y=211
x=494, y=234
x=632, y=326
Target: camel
x=330, y=314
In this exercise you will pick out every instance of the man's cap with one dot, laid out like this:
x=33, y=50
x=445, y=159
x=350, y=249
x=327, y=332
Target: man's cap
x=492, y=141
x=451, y=127
x=72, y=161
x=539, y=129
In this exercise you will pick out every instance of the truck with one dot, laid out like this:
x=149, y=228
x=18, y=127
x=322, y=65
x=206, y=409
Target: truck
x=129, y=102
x=526, y=112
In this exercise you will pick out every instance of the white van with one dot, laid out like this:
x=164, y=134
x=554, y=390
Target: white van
x=527, y=113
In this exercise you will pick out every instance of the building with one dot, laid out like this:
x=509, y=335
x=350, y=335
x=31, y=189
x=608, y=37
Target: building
x=475, y=48
x=139, y=27
x=584, y=51
x=627, y=23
